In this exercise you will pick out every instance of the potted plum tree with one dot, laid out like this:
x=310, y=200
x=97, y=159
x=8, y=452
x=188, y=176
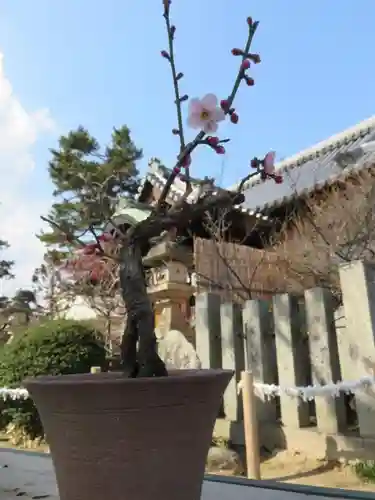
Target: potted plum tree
x=142, y=433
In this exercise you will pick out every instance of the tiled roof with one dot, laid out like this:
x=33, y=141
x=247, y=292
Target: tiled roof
x=311, y=169
x=157, y=175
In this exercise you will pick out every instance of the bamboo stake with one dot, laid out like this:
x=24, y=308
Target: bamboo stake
x=250, y=426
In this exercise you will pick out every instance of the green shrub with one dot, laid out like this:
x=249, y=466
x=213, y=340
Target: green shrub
x=365, y=470
x=55, y=347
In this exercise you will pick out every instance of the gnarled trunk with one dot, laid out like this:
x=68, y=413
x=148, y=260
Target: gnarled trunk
x=139, y=357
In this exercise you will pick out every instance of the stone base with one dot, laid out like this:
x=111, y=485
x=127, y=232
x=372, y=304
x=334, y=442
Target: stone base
x=315, y=444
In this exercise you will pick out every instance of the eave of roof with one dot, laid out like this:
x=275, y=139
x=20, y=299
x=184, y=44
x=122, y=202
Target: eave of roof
x=311, y=169
x=155, y=176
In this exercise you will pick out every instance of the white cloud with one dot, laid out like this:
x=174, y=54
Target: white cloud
x=20, y=209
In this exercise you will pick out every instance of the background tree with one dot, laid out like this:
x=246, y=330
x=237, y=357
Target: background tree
x=5, y=265
x=87, y=179
x=5, y=273
x=24, y=303
x=101, y=291
x=17, y=313
x=315, y=241
x=47, y=283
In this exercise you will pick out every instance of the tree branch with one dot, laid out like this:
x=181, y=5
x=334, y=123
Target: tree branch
x=189, y=148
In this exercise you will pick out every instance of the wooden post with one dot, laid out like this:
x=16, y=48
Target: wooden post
x=95, y=369
x=250, y=426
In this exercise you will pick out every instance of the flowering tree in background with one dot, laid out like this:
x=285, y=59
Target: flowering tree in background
x=125, y=246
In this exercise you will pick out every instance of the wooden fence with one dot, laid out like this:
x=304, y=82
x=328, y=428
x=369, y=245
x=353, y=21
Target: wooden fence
x=297, y=341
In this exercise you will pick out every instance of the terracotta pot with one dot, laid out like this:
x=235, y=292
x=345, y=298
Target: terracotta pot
x=115, y=438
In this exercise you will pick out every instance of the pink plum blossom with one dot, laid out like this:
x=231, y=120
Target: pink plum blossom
x=269, y=163
x=205, y=113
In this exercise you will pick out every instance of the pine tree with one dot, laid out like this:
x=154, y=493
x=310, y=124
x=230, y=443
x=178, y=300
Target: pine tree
x=88, y=182
x=5, y=265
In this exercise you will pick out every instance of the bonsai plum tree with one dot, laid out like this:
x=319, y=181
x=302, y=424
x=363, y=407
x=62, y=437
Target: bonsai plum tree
x=125, y=246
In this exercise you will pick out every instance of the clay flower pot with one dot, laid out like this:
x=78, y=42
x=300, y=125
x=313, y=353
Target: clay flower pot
x=114, y=438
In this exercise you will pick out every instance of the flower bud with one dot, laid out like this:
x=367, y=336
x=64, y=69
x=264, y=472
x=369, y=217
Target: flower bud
x=173, y=30
x=245, y=64
x=237, y=52
x=249, y=81
x=234, y=117
x=165, y=54
x=176, y=170
x=249, y=21
x=175, y=131
x=278, y=179
x=224, y=104
x=212, y=140
x=220, y=150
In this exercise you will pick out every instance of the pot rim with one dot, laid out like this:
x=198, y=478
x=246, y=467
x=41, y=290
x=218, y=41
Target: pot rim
x=174, y=376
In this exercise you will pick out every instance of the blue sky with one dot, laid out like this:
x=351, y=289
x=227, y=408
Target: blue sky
x=98, y=64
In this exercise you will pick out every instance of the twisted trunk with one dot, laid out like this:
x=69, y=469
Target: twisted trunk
x=139, y=357
x=138, y=347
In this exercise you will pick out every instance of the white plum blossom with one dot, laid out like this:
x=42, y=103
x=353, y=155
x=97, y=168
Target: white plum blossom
x=269, y=163
x=205, y=114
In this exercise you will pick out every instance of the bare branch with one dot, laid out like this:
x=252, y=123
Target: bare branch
x=190, y=147
x=337, y=225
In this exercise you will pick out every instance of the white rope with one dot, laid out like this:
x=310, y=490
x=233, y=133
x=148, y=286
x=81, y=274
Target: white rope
x=308, y=393
x=264, y=391
x=14, y=394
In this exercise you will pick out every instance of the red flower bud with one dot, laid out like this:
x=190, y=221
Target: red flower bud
x=175, y=131
x=165, y=54
x=173, y=30
x=237, y=52
x=176, y=170
x=234, y=117
x=220, y=150
x=224, y=104
x=212, y=140
x=278, y=179
x=245, y=64
x=249, y=81
x=249, y=21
